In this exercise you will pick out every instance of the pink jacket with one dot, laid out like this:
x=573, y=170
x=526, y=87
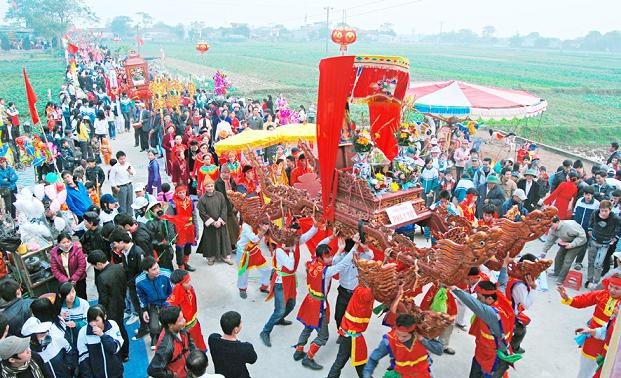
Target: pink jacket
x=77, y=264
x=461, y=156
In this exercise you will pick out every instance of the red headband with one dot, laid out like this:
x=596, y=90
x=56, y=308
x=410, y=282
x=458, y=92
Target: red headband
x=485, y=292
x=185, y=279
x=616, y=281
x=181, y=188
x=409, y=329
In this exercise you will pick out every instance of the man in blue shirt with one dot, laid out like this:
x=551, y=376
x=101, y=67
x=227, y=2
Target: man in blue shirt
x=153, y=288
x=78, y=200
x=8, y=185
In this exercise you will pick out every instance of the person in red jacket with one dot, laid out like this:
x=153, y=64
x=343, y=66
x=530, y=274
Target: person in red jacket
x=68, y=263
x=301, y=168
x=407, y=350
x=606, y=301
x=564, y=195
x=314, y=312
x=184, y=297
x=180, y=170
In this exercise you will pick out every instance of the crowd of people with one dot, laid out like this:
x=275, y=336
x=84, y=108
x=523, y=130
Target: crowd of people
x=138, y=238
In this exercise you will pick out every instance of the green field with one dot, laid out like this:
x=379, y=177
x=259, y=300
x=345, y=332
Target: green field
x=583, y=89
x=44, y=72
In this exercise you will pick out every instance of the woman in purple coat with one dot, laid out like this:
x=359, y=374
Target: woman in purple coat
x=68, y=263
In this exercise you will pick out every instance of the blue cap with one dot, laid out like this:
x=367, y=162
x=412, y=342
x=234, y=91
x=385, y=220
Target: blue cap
x=107, y=198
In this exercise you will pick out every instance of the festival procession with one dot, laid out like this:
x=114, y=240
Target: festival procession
x=170, y=229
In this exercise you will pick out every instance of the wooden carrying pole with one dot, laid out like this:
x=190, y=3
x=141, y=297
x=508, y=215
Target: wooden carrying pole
x=612, y=363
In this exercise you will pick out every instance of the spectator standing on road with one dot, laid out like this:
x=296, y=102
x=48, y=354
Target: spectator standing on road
x=8, y=185
x=99, y=346
x=111, y=283
x=229, y=354
x=120, y=177
x=153, y=287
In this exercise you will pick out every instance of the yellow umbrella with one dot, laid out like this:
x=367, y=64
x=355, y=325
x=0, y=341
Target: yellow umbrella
x=253, y=139
x=292, y=133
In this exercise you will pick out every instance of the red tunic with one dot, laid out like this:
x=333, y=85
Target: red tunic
x=609, y=330
x=297, y=172
x=186, y=300
x=604, y=307
x=315, y=309
x=410, y=362
x=180, y=172
x=431, y=294
x=485, y=342
x=355, y=321
x=251, y=258
x=184, y=210
x=289, y=280
x=562, y=196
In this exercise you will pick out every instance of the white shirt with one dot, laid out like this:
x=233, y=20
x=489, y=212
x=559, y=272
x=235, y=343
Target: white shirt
x=246, y=236
x=527, y=186
x=120, y=174
x=283, y=259
x=105, y=217
x=522, y=296
x=101, y=126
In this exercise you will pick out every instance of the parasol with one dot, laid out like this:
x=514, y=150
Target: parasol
x=466, y=100
x=294, y=132
x=248, y=138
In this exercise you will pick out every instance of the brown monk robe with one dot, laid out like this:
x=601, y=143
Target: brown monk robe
x=223, y=183
x=212, y=209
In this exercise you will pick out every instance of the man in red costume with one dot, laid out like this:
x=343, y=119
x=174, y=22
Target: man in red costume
x=314, y=312
x=180, y=212
x=521, y=293
x=184, y=297
x=407, y=350
x=283, y=285
x=492, y=326
x=440, y=299
x=469, y=285
x=247, y=183
x=606, y=301
x=351, y=340
x=300, y=169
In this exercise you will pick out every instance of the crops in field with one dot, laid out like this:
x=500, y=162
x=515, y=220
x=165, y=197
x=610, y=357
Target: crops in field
x=583, y=89
x=45, y=72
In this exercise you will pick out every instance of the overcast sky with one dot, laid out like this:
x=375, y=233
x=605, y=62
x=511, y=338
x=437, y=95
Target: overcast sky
x=551, y=18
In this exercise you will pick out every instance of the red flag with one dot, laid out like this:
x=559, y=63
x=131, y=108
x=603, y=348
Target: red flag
x=139, y=40
x=72, y=48
x=32, y=99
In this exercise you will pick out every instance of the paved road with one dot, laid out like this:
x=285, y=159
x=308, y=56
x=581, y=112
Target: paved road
x=551, y=351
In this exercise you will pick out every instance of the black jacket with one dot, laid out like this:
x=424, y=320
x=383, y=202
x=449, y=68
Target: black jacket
x=27, y=373
x=17, y=312
x=495, y=196
x=169, y=349
x=111, y=285
x=95, y=175
x=160, y=242
x=92, y=240
x=533, y=196
x=221, y=187
x=142, y=238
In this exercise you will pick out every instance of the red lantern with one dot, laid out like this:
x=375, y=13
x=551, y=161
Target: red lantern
x=202, y=47
x=343, y=36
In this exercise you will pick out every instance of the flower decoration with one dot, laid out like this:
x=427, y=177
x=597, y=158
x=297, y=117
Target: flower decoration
x=385, y=86
x=362, y=142
x=221, y=84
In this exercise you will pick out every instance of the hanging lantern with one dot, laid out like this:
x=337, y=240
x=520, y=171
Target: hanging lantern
x=343, y=36
x=202, y=47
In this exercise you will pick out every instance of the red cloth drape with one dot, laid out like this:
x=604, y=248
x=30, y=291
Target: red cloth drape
x=336, y=78
x=32, y=99
x=385, y=118
x=71, y=48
